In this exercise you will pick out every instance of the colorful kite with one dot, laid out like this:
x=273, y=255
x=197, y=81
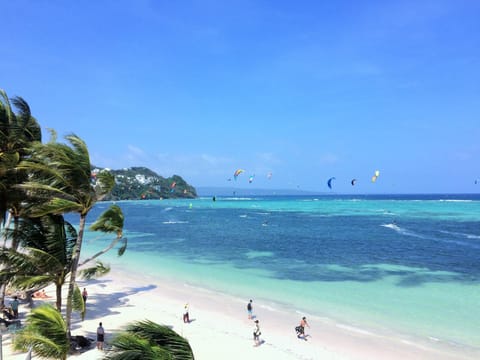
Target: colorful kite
x=237, y=172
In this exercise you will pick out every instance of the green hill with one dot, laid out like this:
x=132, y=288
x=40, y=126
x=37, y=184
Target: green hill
x=137, y=183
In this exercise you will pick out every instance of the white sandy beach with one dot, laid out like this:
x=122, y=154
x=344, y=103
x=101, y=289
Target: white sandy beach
x=220, y=329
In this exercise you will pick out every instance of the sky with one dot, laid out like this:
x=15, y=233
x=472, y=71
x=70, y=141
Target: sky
x=304, y=90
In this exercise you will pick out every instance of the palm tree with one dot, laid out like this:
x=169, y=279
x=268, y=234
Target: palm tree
x=61, y=175
x=17, y=132
x=47, y=246
x=110, y=221
x=45, y=333
x=148, y=340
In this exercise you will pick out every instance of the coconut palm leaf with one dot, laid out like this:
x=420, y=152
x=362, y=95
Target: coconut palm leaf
x=45, y=333
x=94, y=272
x=45, y=257
x=60, y=174
x=17, y=132
x=123, y=248
x=78, y=303
x=130, y=347
x=162, y=336
x=110, y=221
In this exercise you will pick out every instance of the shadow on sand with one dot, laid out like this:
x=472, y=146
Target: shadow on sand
x=100, y=305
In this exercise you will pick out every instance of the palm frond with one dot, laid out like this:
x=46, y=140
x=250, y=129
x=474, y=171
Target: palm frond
x=111, y=220
x=54, y=206
x=96, y=271
x=78, y=303
x=123, y=248
x=130, y=347
x=164, y=337
x=105, y=184
x=45, y=333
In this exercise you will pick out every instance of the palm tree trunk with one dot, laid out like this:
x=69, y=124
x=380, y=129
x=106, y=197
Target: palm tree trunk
x=73, y=273
x=58, y=292
x=6, y=225
x=15, y=241
x=107, y=249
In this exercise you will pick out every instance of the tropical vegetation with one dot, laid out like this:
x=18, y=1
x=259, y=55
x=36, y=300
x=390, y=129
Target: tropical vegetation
x=140, y=183
x=39, y=184
x=148, y=340
x=45, y=334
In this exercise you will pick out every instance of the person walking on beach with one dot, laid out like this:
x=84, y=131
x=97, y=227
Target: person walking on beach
x=250, y=309
x=100, y=336
x=256, y=334
x=14, y=306
x=85, y=295
x=300, y=329
x=186, y=316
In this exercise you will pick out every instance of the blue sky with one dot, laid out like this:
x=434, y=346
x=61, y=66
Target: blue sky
x=306, y=90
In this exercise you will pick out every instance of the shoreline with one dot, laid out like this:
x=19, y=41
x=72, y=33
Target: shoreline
x=219, y=326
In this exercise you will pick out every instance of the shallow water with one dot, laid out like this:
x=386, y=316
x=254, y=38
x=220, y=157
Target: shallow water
x=407, y=264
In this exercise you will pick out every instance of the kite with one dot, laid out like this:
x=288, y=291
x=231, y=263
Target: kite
x=329, y=182
x=250, y=179
x=353, y=182
x=237, y=172
x=269, y=175
x=374, y=177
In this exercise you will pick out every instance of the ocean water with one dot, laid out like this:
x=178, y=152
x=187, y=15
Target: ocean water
x=402, y=264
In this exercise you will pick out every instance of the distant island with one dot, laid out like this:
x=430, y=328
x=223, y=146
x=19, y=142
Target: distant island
x=141, y=183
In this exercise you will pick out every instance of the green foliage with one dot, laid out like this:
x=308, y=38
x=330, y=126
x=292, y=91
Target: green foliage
x=130, y=347
x=96, y=271
x=18, y=130
x=148, y=340
x=45, y=257
x=142, y=183
x=45, y=333
x=111, y=220
x=78, y=303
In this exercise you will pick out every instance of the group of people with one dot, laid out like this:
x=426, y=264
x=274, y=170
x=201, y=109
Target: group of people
x=300, y=329
x=11, y=312
x=40, y=294
x=256, y=329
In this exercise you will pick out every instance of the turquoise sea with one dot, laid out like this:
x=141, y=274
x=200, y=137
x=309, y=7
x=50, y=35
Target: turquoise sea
x=406, y=264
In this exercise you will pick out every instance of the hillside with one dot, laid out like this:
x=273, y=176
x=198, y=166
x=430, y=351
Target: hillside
x=137, y=183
